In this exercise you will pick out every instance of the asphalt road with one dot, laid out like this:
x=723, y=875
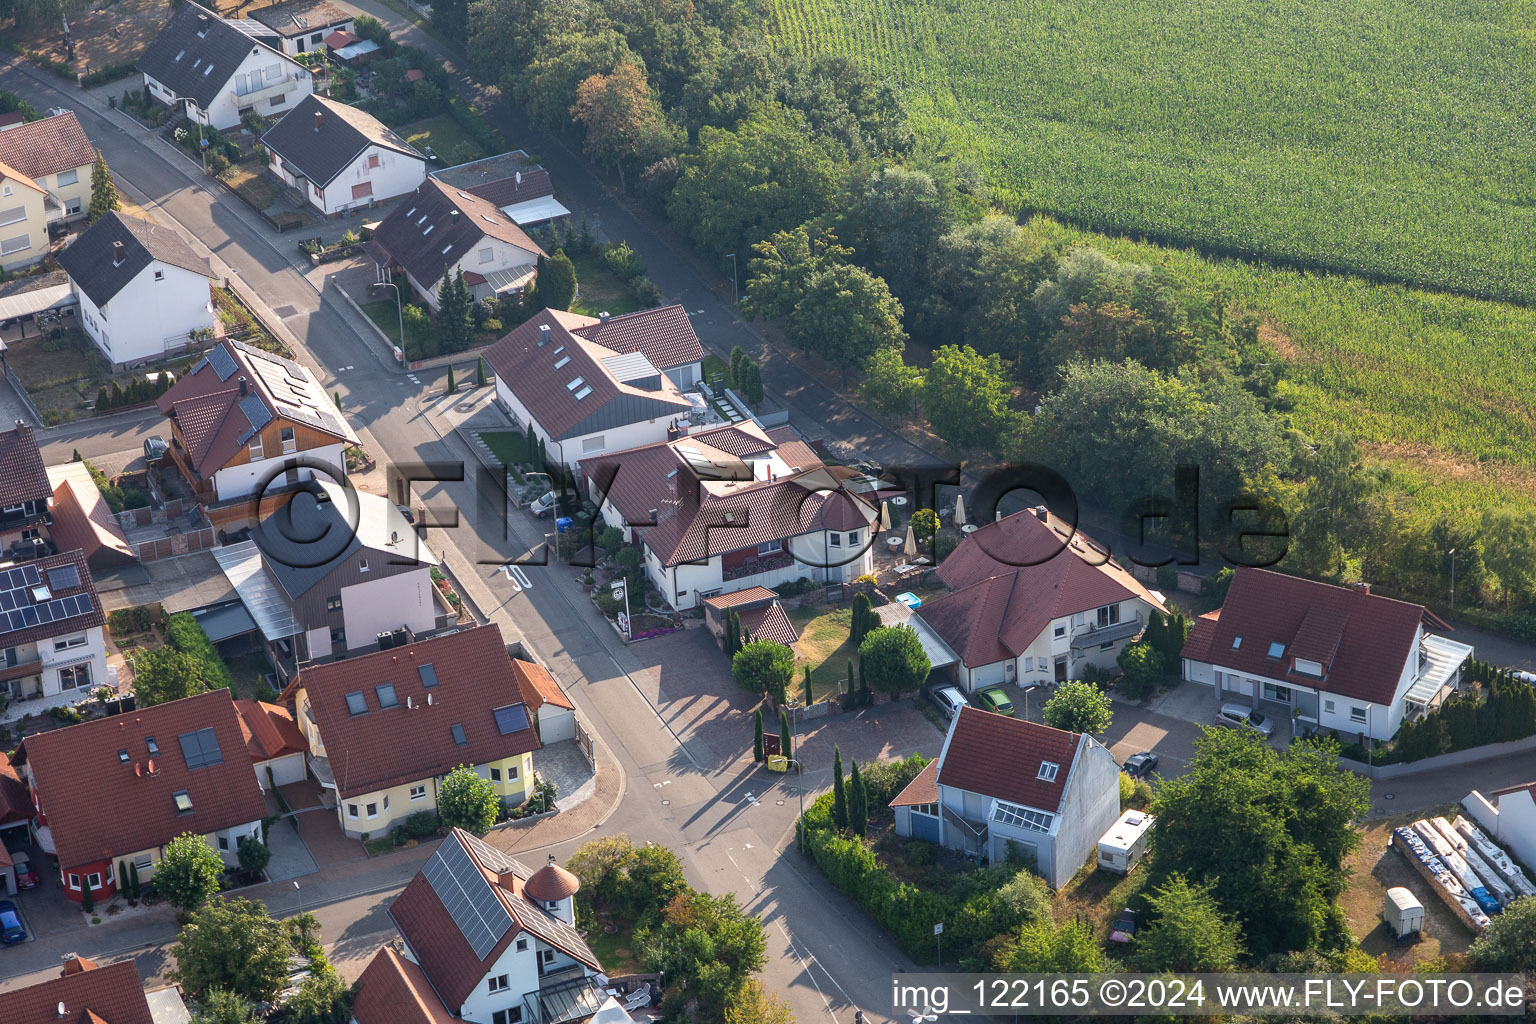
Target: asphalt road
x=729, y=838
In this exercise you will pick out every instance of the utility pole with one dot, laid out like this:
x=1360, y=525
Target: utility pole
x=1453, y=579
x=735, y=296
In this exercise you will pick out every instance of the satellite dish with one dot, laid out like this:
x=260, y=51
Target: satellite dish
x=919, y=1018
x=518, y=177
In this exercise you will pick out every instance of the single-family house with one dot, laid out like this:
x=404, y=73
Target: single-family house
x=439, y=230
x=26, y=496
x=302, y=25
x=520, y=188
x=275, y=742
x=332, y=570
x=554, y=716
x=244, y=421
x=1322, y=656
x=341, y=157
x=1508, y=816
x=15, y=805
x=58, y=156
x=212, y=71
x=487, y=940
x=1033, y=601
x=82, y=520
x=23, y=219
x=733, y=508
x=153, y=775
x=454, y=696
x=143, y=292
x=52, y=648
x=663, y=335
x=1002, y=782
x=87, y=993
x=581, y=398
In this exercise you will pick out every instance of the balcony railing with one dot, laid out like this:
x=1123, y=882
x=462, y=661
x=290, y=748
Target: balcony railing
x=769, y=563
x=249, y=96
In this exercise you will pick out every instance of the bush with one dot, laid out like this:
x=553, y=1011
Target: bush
x=110, y=73
x=893, y=659
x=126, y=621
x=624, y=261
x=794, y=588
x=421, y=824
x=183, y=633
x=474, y=125
x=1167, y=578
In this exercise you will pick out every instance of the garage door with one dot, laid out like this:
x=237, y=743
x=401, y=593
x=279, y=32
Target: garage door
x=286, y=770
x=924, y=826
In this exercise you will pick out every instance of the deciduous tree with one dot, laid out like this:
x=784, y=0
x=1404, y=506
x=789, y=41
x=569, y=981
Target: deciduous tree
x=219, y=1006
x=163, y=674
x=465, y=800
x=890, y=385
x=1509, y=942
x=754, y=1004
x=1079, y=707
x=966, y=396
x=188, y=872
x=1143, y=668
x=1188, y=932
x=764, y=666
x=892, y=659
x=233, y=945
x=624, y=123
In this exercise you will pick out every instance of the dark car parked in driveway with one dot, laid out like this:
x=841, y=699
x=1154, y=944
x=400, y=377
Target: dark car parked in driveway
x=11, y=930
x=26, y=874
x=1139, y=766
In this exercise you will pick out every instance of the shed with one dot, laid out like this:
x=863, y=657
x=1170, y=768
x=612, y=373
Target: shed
x=1403, y=912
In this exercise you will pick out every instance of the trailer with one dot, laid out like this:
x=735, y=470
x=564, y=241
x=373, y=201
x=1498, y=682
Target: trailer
x=1496, y=886
x=1457, y=866
x=1403, y=913
x=1439, y=877
x=1496, y=858
x=1122, y=847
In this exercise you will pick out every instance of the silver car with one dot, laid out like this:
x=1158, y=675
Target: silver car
x=949, y=701
x=1238, y=716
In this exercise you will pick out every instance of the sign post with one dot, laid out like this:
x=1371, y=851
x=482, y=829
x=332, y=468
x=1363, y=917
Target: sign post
x=938, y=942
x=618, y=589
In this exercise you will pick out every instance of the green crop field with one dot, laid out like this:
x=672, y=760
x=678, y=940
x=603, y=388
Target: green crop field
x=1391, y=138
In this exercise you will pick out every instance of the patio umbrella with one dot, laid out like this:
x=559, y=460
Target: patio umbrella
x=959, y=510
x=885, y=517
x=910, y=548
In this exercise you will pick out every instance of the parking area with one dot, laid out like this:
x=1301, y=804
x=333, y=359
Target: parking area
x=45, y=908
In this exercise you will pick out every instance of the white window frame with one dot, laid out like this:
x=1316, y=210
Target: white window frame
x=10, y=245
x=1328, y=706
x=487, y=255
x=352, y=811
x=70, y=642
x=418, y=792
x=371, y=810
x=362, y=565
x=1359, y=715
x=73, y=179
x=1107, y=615
x=74, y=882
x=256, y=449
x=75, y=674
x=836, y=539
x=289, y=440
x=770, y=547
x=1060, y=631
x=495, y=774
x=145, y=862
x=497, y=983
x=93, y=880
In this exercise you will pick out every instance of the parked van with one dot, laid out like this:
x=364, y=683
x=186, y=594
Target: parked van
x=1122, y=847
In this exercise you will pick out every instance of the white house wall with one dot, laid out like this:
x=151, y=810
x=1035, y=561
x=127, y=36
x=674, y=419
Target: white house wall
x=376, y=606
x=243, y=480
x=503, y=256
x=312, y=42
x=224, y=111
x=148, y=318
x=396, y=175
x=1510, y=818
x=94, y=650
x=1037, y=663
x=1090, y=805
x=286, y=770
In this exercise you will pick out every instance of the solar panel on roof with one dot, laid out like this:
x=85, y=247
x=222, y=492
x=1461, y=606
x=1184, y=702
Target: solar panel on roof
x=65, y=577
x=466, y=895
x=30, y=575
x=256, y=411
x=222, y=362
x=512, y=718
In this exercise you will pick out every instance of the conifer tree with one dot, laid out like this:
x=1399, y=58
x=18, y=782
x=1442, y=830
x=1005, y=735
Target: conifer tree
x=104, y=197
x=858, y=803
x=480, y=372
x=852, y=687
x=810, y=694
x=757, y=739
x=786, y=746
x=452, y=384
x=839, y=795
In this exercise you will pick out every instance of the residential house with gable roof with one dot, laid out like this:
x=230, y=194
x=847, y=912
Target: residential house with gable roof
x=1322, y=656
x=274, y=741
x=735, y=507
x=244, y=420
x=511, y=181
x=553, y=713
x=330, y=570
x=56, y=154
x=26, y=496
x=439, y=230
x=1032, y=601
x=298, y=26
x=23, y=219
x=384, y=729
x=487, y=940
x=1001, y=782
x=87, y=993
x=52, y=647
x=580, y=397
x=82, y=519
x=112, y=792
x=143, y=291
x=341, y=157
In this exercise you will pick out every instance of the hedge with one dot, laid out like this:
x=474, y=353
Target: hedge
x=183, y=633
x=110, y=73
x=476, y=126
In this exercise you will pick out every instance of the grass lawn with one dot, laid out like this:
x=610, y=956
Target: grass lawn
x=386, y=315
x=510, y=446
x=446, y=137
x=600, y=289
x=249, y=671
x=39, y=368
x=825, y=645
x=380, y=847
x=1095, y=897
x=714, y=366
x=258, y=189
x=615, y=952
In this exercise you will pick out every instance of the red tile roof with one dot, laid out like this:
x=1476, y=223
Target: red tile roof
x=924, y=789
x=1011, y=578
x=269, y=731
x=125, y=809
x=43, y=630
x=509, y=191
x=22, y=474
x=15, y=805
x=1000, y=757
x=445, y=955
x=740, y=597
x=81, y=519
x=475, y=677
x=54, y=144
x=1362, y=640
x=663, y=335
x=527, y=369
x=110, y=995
x=770, y=623
x=392, y=990
x=538, y=686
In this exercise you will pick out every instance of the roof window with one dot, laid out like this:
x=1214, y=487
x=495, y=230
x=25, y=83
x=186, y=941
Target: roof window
x=410, y=213
x=154, y=748
x=446, y=248
x=183, y=801
x=201, y=748
x=179, y=54
x=583, y=393
x=386, y=695
x=1237, y=642
x=1048, y=770
x=1276, y=649
x=122, y=756
x=573, y=385
x=562, y=362
x=458, y=735
x=427, y=232
x=356, y=703
x=428, y=676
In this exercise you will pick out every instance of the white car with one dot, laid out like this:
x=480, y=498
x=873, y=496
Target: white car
x=948, y=700
x=1238, y=716
x=543, y=503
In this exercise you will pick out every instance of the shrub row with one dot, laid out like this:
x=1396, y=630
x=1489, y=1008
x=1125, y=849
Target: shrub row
x=476, y=126
x=183, y=633
x=139, y=391
x=110, y=73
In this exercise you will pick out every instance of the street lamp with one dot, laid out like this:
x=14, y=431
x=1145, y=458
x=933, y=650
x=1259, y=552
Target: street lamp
x=301, y=898
x=800, y=792
x=399, y=307
x=1453, y=578
x=735, y=298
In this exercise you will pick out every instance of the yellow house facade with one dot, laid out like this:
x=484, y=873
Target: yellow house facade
x=23, y=219
x=385, y=729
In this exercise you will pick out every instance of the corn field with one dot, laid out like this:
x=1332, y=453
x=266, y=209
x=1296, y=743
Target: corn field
x=1386, y=138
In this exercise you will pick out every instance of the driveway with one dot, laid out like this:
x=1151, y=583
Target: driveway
x=290, y=857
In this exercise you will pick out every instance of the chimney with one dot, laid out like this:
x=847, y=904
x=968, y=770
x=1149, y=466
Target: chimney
x=603, y=316
x=118, y=254
x=319, y=116
x=1364, y=588
x=509, y=881
x=543, y=335
x=1042, y=513
x=245, y=388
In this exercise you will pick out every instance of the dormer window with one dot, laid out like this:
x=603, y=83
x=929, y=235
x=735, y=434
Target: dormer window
x=1276, y=650
x=1048, y=770
x=154, y=748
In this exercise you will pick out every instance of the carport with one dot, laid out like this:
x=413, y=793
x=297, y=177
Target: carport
x=940, y=657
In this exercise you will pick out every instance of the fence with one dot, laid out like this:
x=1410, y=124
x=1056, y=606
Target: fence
x=21, y=393
x=584, y=743
x=181, y=542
